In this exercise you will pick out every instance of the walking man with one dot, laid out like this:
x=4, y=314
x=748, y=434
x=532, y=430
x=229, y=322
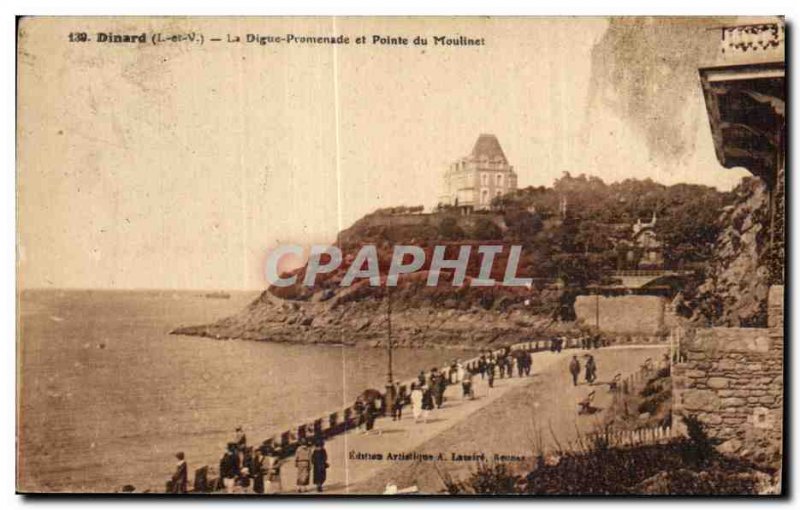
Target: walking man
x=575, y=369
x=591, y=370
x=440, y=385
x=399, y=402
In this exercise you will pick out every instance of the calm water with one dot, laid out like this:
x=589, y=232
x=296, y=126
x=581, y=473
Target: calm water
x=107, y=396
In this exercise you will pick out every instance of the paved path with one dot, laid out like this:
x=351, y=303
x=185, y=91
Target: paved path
x=350, y=470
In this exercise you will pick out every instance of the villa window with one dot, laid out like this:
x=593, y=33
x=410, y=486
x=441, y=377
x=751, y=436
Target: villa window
x=499, y=179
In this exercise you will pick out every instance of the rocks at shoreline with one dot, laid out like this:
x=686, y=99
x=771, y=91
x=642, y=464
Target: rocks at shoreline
x=364, y=324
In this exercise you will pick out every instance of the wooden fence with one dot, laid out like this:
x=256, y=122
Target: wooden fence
x=626, y=438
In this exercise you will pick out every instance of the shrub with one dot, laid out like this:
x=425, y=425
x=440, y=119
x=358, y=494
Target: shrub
x=651, y=404
x=494, y=479
x=700, y=448
x=486, y=229
x=449, y=229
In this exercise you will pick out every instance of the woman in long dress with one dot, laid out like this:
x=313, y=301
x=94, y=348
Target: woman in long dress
x=272, y=468
x=302, y=461
x=416, y=401
x=319, y=461
x=427, y=402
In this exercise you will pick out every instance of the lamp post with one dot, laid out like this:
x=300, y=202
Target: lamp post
x=389, y=329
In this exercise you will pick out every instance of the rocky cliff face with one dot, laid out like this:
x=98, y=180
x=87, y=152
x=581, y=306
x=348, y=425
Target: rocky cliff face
x=735, y=292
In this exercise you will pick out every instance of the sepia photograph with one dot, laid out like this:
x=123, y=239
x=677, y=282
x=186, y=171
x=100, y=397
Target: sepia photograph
x=401, y=256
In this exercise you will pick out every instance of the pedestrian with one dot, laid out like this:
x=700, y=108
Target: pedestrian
x=416, y=401
x=257, y=469
x=452, y=373
x=591, y=370
x=359, y=408
x=399, y=402
x=575, y=369
x=302, y=462
x=440, y=385
x=427, y=402
x=460, y=371
x=490, y=368
x=180, y=479
x=246, y=461
x=466, y=385
x=422, y=378
x=229, y=468
x=319, y=462
x=528, y=363
x=240, y=438
x=370, y=413
x=272, y=467
x=482, y=366
x=433, y=375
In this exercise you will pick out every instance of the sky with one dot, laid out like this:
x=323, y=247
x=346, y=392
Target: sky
x=181, y=165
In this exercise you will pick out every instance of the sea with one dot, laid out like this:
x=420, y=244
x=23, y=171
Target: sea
x=106, y=396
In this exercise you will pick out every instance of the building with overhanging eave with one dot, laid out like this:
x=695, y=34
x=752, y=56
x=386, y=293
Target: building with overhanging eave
x=745, y=94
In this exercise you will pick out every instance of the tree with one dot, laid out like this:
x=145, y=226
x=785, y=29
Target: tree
x=486, y=229
x=450, y=229
x=522, y=225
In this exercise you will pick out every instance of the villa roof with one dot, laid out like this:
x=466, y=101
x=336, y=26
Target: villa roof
x=489, y=148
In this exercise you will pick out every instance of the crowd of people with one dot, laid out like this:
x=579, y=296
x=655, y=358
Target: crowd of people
x=586, y=341
x=245, y=468
x=427, y=392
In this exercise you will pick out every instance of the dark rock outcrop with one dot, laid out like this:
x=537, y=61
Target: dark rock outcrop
x=735, y=291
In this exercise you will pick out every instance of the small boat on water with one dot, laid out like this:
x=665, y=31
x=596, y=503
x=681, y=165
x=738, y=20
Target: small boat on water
x=218, y=295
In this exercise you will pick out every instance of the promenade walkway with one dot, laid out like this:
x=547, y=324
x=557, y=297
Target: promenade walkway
x=360, y=462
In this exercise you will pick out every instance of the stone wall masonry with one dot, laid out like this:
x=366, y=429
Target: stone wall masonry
x=637, y=316
x=732, y=380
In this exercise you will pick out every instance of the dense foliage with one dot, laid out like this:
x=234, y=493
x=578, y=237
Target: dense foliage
x=575, y=231
x=596, y=215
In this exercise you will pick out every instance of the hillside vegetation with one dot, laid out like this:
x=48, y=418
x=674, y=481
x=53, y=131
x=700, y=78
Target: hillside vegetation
x=574, y=231
x=571, y=235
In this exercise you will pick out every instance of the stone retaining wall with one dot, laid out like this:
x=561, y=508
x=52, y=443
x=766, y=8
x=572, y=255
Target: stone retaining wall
x=732, y=380
x=635, y=316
